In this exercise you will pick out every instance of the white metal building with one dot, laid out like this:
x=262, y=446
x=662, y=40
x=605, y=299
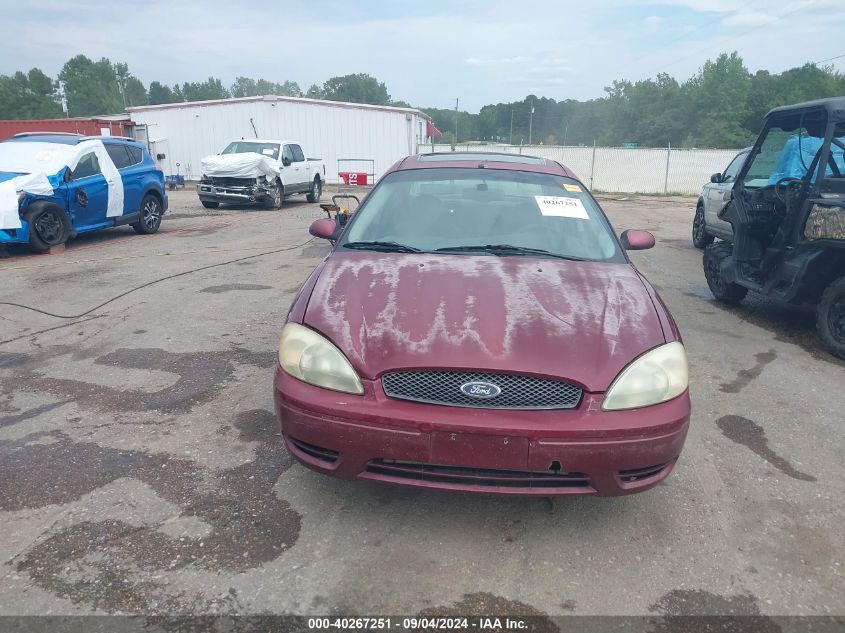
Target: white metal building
x=331, y=130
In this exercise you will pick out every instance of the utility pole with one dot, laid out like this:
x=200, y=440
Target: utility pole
x=120, y=82
x=531, y=122
x=510, y=140
x=456, y=120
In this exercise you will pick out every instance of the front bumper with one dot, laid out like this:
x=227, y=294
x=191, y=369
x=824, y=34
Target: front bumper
x=580, y=451
x=15, y=236
x=219, y=193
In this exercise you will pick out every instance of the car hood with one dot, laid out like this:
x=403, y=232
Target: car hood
x=582, y=321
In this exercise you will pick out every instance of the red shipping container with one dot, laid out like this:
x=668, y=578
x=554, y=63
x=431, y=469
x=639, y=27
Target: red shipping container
x=87, y=126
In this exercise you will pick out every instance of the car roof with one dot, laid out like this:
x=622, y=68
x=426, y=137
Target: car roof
x=487, y=160
x=63, y=138
x=835, y=107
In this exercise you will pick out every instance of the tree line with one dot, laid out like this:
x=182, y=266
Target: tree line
x=721, y=106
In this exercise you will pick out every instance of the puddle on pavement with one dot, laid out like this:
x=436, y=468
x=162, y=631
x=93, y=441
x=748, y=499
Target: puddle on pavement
x=200, y=376
x=11, y=420
x=488, y=604
x=753, y=436
x=678, y=604
x=113, y=565
x=744, y=377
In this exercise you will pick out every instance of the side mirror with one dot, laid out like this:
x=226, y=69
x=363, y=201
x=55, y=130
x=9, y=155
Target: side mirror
x=716, y=178
x=286, y=161
x=636, y=240
x=323, y=228
x=160, y=156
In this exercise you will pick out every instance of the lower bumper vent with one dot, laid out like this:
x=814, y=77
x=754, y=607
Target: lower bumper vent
x=638, y=474
x=317, y=452
x=477, y=477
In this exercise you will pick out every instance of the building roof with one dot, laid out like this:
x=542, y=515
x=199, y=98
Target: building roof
x=273, y=98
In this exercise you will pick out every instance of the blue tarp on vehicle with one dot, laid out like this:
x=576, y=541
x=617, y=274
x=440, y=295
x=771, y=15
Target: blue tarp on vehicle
x=797, y=155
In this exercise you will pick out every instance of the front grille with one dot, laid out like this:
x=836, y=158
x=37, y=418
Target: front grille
x=219, y=181
x=317, y=452
x=517, y=392
x=475, y=477
x=638, y=474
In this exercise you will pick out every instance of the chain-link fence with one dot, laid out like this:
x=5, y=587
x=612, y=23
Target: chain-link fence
x=622, y=169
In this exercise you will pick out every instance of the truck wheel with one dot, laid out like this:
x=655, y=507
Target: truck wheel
x=724, y=291
x=316, y=191
x=48, y=226
x=210, y=205
x=150, y=215
x=830, y=318
x=700, y=236
x=277, y=197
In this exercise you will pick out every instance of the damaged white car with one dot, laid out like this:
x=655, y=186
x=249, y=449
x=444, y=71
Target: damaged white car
x=262, y=171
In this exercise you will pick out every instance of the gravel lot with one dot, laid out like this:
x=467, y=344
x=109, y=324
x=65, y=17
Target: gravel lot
x=141, y=469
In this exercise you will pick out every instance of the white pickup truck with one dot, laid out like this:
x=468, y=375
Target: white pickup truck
x=256, y=170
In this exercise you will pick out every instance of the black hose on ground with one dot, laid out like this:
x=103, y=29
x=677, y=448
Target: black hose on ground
x=150, y=283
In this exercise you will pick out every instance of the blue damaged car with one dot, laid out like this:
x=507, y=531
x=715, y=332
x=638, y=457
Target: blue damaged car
x=55, y=186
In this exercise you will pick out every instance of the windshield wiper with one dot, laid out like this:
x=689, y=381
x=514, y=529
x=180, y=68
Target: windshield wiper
x=384, y=247
x=505, y=249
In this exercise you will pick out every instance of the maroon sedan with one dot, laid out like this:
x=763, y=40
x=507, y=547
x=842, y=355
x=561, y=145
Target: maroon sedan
x=478, y=327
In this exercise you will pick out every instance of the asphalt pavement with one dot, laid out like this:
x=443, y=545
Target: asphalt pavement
x=141, y=468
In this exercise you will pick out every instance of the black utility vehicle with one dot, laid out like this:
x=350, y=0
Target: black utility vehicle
x=787, y=210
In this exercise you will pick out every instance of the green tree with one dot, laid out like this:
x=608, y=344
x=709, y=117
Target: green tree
x=314, y=92
x=718, y=103
x=30, y=95
x=356, y=88
x=247, y=87
x=161, y=93
x=132, y=90
x=211, y=88
x=90, y=87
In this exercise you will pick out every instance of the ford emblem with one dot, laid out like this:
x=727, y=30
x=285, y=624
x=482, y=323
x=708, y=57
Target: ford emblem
x=480, y=389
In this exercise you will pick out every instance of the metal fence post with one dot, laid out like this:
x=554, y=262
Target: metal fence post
x=593, y=164
x=666, y=179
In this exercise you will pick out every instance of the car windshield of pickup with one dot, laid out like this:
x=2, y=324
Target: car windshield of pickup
x=271, y=150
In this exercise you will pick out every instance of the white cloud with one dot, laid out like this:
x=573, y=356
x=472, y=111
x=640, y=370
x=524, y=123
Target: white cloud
x=748, y=20
x=652, y=24
x=483, y=51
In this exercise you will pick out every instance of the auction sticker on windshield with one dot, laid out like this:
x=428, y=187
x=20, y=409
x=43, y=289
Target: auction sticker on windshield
x=562, y=207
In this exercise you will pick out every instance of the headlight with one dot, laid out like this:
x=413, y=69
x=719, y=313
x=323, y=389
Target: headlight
x=312, y=358
x=655, y=377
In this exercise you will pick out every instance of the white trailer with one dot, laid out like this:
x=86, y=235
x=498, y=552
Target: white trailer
x=331, y=130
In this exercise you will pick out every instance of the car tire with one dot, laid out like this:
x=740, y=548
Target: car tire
x=316, y=191
x=724, y=291
x=210, y=205
x=49, y=226
x=830, y=318
x=277, y=199
x=700, y=236
x=151, y=212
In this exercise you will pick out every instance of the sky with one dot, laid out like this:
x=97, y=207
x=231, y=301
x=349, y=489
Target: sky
x=427, y=52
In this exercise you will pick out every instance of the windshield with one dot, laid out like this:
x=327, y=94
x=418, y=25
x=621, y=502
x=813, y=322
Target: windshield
x=789, y=153
x=270, y=150
x=433, y=209
x=35, y=158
